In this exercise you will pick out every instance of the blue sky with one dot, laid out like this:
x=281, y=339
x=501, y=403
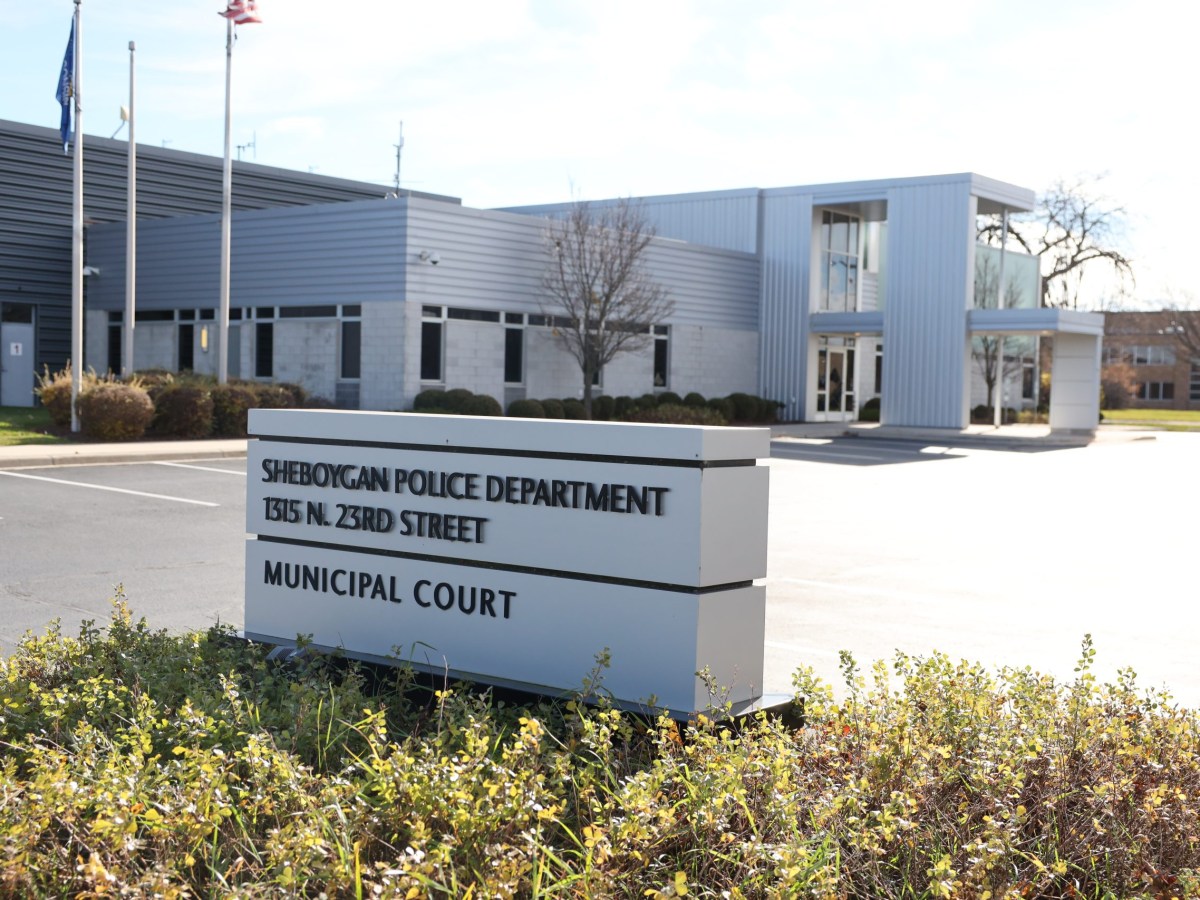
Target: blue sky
x=525, y=101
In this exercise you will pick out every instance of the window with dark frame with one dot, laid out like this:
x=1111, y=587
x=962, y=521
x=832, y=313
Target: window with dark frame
x=187, y=347
x=431, y=351
x=514, y=355
x=264, y=350
x=662, y=372
x=351, y=349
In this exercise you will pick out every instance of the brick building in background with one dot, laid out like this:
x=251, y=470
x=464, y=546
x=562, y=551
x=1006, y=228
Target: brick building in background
x=1154, y=344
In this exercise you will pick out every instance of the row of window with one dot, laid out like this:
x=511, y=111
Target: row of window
x=1141, y=355
x=514, y=324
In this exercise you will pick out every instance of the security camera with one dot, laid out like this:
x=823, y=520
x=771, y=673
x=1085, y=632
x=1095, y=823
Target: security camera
x=434, y=259
x=428, y=256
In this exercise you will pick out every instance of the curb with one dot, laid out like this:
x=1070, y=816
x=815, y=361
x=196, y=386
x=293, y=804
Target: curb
x=30, y=456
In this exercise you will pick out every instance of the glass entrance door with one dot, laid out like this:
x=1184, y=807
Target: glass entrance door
x=835, y=380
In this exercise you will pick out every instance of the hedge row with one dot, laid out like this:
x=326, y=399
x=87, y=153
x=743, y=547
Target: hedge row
x=666, y=407
x=163, y=404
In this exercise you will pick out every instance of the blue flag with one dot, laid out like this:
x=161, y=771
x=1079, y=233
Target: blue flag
x=66, y=89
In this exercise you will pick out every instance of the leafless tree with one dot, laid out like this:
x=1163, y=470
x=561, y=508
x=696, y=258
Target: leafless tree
x=1074, y=229
x=1184, y=326
x=596, y=288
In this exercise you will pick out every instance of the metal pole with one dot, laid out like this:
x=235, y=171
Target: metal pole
x=130, y=229
x=77, y=227
x=997, y=413
x=226, y=214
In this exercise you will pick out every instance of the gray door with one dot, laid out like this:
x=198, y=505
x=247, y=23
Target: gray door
x=16, y=364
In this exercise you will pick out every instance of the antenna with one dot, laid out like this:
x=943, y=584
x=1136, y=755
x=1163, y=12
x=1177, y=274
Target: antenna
x=253, y=145
x=399, y=149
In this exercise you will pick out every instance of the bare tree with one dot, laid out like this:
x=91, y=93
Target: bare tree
x=1184, y=326
x=1074, y=229
x=596, y=288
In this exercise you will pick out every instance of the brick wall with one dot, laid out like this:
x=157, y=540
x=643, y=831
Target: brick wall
x=1125, y=332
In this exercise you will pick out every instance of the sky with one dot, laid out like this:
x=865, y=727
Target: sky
x=510, y=102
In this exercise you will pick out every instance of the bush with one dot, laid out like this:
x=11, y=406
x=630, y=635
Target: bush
x=669, y=397
x=481, y=405
x=271, y=396
x=144, y=763
x=527, y=409
x=110, y=411
x=869, y=411
x=554, y=409
x=677, y=414
x=574, y=409
x=723, y=406
x=745, y=407
x=230, y=404
x=183, y=410
x=647, y=401
x=694, y=399
x=603, y=408
x=622, y=406
x=430, y=400
x=54, y=390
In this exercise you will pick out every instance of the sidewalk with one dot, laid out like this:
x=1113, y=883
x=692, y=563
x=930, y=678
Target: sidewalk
x=26, y=456
x=1001, y=438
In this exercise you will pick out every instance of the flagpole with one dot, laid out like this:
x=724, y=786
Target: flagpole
x=226, y=204
x=77, y=227
x=130, y=229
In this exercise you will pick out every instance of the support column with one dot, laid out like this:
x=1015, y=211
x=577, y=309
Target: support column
x=1075, y=383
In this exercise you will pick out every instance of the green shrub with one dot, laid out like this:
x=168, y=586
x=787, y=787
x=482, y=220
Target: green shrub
x=110, y=411
x=745, y=407
x=554, y=409
x=603, y=408
x=429, y=400
x=526, y=409
x=768, y=410
x=183, y=410
x=574, y=409
x=647, y=401
x=622, y=406
x=271, y=396
x=142, y=763
x=299, y=395
x=694, y=399
x=869, y=411
x=723, y=406
x=481, y=405
x=677, y=414
x=670, y=397
x=230, y=404
x=54, y=390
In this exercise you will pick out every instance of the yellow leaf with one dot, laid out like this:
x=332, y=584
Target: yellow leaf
x=680, y=884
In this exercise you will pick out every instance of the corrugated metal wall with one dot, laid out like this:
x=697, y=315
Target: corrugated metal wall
x=330, y=253
x=786, y=264
x=370, y=252
x=931, y=239
x=35, y=209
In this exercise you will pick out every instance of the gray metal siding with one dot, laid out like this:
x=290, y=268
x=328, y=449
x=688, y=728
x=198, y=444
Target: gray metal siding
x=36, y=198
x=726, y=219
x=331, y=253
x=930, y=260
x=786, y=265
x=494, y=260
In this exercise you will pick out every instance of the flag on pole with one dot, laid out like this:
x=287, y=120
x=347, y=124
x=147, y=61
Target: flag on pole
x=242, y=12
x=66, y=89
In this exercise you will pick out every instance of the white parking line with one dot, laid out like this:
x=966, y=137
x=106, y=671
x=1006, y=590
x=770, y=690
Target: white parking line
x=200, y=468
x=104, y=487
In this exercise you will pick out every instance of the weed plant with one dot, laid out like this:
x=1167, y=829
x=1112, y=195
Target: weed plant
x=138, y=763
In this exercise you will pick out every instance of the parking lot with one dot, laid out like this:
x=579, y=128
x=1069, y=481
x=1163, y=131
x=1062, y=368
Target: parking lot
x=1004, y=556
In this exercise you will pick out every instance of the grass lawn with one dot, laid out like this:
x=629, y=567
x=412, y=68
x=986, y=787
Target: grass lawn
x=1167, y=419
x=26, y=425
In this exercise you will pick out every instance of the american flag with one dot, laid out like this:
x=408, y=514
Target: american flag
x=243, y=12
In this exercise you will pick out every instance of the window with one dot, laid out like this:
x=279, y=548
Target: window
x=1156, y=390
x=115, y=335
x=307, y=312
x=839, y=263
x=473, y=315
x=154, y=315
x=1141, y=355
x=351, y=349
x=662, y=371
x=1027, y=380
x=187, y=347
x=431, y=351
x=514, y=355
x=264, y=349
x=1194, y=383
